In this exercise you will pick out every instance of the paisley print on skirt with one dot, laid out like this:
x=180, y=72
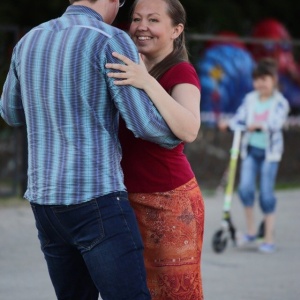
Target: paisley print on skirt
x=172, y=226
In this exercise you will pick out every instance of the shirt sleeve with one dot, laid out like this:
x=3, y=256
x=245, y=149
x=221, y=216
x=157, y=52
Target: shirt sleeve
x=279, y=114
x=239, y=120
x=11, y=107
x=135, y=107
x=183, y=72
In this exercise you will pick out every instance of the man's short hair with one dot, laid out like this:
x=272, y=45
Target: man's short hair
x=72, y=1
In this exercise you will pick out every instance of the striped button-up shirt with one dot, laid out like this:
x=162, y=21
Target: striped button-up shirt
x=58, y=87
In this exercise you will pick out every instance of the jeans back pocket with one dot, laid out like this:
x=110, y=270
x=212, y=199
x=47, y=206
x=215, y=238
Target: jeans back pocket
x=82, y=223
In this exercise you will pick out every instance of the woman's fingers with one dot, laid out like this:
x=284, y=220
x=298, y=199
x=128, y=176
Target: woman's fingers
x=117, y=75
x=121, y=82
x=120, y=67
x=116, y=67
x=128, y=73
x=121, y=78
x=123, y=58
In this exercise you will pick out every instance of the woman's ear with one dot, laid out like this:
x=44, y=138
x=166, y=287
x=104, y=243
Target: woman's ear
x=178, y=29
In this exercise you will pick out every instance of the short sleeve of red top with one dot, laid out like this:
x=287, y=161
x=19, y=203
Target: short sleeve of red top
x=148, y=167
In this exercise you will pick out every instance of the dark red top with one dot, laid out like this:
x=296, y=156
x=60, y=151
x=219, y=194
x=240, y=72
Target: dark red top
x=147, y=166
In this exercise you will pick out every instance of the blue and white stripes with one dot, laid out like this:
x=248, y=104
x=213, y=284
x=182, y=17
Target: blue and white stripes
x=58, y=81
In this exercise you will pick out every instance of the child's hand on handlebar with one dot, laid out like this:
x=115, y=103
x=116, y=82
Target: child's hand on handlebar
x=254, y=127
x=223, y=125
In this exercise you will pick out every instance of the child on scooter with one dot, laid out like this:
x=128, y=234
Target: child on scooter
x=262, y=116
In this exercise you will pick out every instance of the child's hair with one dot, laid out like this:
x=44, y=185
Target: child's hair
x=266, y=66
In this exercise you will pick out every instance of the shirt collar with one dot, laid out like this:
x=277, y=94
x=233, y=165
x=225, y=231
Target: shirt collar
x=83, y=10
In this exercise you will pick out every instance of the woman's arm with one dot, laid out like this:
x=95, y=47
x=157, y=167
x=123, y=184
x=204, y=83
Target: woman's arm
x=182, y=115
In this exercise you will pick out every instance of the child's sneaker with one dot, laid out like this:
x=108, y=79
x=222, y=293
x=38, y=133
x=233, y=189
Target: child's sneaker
x=266, y=248
x=246, y=240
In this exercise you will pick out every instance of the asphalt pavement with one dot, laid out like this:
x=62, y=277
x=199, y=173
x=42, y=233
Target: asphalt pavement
x=234, y=274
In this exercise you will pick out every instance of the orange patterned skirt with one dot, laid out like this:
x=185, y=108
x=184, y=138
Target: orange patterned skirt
x=172, y=225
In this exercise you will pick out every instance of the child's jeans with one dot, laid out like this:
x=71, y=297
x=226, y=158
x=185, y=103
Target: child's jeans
x=252, y=166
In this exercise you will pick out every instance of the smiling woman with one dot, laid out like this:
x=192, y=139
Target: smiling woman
x=169, y=207
x=166, y=35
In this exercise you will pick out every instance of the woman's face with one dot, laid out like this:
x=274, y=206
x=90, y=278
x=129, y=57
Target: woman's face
x=152, y=30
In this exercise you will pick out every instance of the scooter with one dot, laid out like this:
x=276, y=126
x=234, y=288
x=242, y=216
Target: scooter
x=228, y=230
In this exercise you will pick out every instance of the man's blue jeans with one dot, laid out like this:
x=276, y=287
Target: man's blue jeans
x=93, y=247
x=253, y=166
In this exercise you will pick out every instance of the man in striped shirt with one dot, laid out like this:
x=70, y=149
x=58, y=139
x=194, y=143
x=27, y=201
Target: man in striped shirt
x=58, y=87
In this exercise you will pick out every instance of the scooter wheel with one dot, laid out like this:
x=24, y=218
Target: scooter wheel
x=219, y=241
x=261, y=230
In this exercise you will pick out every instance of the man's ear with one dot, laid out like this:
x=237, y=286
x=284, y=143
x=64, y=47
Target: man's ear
x=114, y=1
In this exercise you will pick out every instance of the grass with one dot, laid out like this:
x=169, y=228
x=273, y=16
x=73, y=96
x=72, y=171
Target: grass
x=287, y=185
x=207, y=192
x=6, y=201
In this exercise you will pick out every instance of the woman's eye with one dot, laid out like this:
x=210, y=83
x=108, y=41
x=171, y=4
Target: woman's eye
x=153, y=20
x=135, y=19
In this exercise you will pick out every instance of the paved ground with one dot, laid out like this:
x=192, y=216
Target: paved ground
x=233, y=275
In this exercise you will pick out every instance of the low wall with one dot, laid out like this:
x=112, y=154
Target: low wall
x=209, y=157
